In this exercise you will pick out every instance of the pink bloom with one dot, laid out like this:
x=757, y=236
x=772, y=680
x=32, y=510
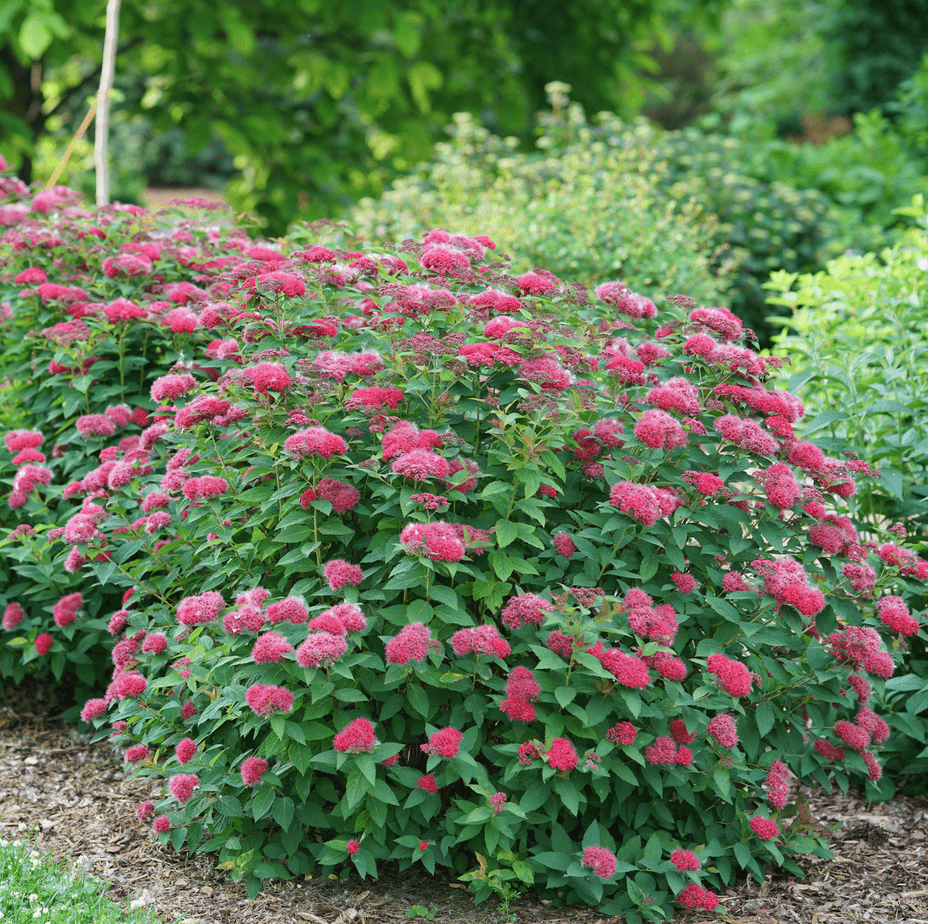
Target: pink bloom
x=525, y=608
x=352, y=847
x=196, y=610
x=765, y=828
x=695, y=896
x=279, y=283
x=13, y=615
x=658, y=430
x=290, y=609
x=182, y=786
x=662, y=751
x=564, y=544
x=777, y=784
x=427, y=782
x=622, y=733
x=894, y=613
x=161, y=825
x=480, y=640
x=562, y=755
x=95, y=425
x=145, y=810
x=269, y=648
x=636, y=500
x=155, y=643
x=685, y=860
x=266, y=699
x=205, y=486
x=601, y=861
x=722, y=728
x=686, y=583
x=732, y=676
x=315, y=441
x=444, y=743
x=137, y=753
x=43, y=643
x=93, y=709
x=17, y=440
x=420, y=465
x=185, y=750
x=497, y=802
x=169, y=387
x=253, y=768
x=356, y=737
x=339, y=573
x=412, y=644
x=264, y=377
x=320, y=648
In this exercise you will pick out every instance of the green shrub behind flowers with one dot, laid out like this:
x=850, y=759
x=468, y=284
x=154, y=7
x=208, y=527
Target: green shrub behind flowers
x=427, y=560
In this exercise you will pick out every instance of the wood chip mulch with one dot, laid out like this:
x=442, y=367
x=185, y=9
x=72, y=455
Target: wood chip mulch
x=70, y=796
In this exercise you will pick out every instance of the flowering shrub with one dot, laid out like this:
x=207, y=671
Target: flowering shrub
x=361, y=636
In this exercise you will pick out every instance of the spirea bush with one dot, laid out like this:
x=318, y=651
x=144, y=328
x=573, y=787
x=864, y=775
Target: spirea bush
x=425, y=560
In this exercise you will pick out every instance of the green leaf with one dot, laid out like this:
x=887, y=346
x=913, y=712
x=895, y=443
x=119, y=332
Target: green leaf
x=766, y=715
x=506, y=533
x=418, y=699
x=34, y=36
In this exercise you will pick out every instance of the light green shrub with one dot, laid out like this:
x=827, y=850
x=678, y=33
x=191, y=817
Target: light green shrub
x=581, y=207
x=857, y=341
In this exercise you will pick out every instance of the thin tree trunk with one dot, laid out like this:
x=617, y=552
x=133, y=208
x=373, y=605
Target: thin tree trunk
x=101, y=138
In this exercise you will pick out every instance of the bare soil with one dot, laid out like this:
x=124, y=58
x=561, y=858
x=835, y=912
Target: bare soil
x=71, y=797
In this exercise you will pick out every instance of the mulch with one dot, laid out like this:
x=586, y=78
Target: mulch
x=71, y=797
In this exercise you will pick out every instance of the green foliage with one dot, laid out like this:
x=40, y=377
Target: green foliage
x=879, y=44
x=319, y=102
x=360, y=448
x=33, y=887
x=764, y=224
x=583, y=207
x=857, y=348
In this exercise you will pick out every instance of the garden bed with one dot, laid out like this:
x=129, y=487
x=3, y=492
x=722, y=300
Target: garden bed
x=73, y=797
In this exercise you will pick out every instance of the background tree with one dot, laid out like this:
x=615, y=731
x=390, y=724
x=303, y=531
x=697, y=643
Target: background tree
x=318, y=102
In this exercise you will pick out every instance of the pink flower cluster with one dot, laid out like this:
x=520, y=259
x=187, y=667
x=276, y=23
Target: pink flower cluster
x=765, y=828
x=628, y=670
x=66, y=609
x=643, y=502
x=777, y=784
x=413, y=643
x=444, y=743
x=253, y=768
x=894, y=613
x=622, y=733
x=340, y=573
x=862, y=647
x=562, y=755
x=480, y=640
x=722, y=728
x=315, y=441
x=790, y=584
x=685, y=860
x=356, y=737
x=658, y=430
x=665, y=751
x=521, y=691
x=200, y=608
x=695, y=896
x=525, y=609
x=732, y=676
x=266, y=699
x=601, y=861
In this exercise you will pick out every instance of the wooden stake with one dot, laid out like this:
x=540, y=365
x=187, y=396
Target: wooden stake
x=101, y=139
